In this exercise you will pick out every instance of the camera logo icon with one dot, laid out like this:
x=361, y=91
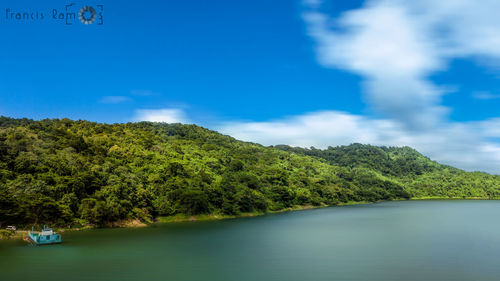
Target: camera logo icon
x=87, y=15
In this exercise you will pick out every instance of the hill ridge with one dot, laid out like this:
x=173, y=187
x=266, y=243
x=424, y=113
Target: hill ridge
x=67, y=172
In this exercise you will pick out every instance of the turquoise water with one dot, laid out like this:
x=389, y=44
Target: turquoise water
x=411, y=240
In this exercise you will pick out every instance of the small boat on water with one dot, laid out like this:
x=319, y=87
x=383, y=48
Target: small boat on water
x=45, y=237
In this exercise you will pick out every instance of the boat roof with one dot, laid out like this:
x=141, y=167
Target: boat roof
x=47, y=231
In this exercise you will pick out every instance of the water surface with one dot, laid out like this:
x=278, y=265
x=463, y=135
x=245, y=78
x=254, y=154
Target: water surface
x=411, y=240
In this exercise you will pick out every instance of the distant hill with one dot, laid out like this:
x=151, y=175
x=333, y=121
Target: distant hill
x=420, y=176
x=66, y=172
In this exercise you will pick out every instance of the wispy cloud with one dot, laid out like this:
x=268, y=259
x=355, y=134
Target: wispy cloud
x=485, y=96
x=114, y=99
x=167, y=115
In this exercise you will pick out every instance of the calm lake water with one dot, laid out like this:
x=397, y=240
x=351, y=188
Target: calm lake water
x=412, y=240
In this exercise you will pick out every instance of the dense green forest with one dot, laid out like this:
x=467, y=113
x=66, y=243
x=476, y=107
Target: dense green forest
x=405, y=166
x=66, y=172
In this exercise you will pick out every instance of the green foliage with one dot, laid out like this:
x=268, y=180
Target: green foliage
x=66, y=172
x=6, y=234
x=393, y=166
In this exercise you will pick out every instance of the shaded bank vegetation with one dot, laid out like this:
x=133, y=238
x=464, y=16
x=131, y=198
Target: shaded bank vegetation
x=77, y=173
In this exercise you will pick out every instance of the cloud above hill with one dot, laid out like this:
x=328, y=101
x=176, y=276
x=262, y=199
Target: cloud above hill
x=463, y=145
x=395, y=45
x=166, y=115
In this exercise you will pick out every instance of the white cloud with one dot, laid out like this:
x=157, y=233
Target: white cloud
x=387, y=46
x=114, y=99
x=167, y=115
x=489, y=128
x=461, y=145
x=397, y=44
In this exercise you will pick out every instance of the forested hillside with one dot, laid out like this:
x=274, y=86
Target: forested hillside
x=67, y=172
x=419, y=176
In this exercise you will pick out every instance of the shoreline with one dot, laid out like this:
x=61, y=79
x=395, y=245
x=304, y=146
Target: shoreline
x=135, y=223
x=211, y=217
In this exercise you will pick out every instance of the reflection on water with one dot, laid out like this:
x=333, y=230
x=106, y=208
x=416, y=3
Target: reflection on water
x=414, y=240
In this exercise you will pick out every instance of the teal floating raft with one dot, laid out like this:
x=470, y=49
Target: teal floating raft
x=45, y=237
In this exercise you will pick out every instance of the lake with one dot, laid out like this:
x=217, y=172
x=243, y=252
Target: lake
x=402, y=240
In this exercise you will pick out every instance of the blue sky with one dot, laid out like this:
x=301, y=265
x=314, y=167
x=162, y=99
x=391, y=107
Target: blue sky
x=237, y=59
x=385, y=72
